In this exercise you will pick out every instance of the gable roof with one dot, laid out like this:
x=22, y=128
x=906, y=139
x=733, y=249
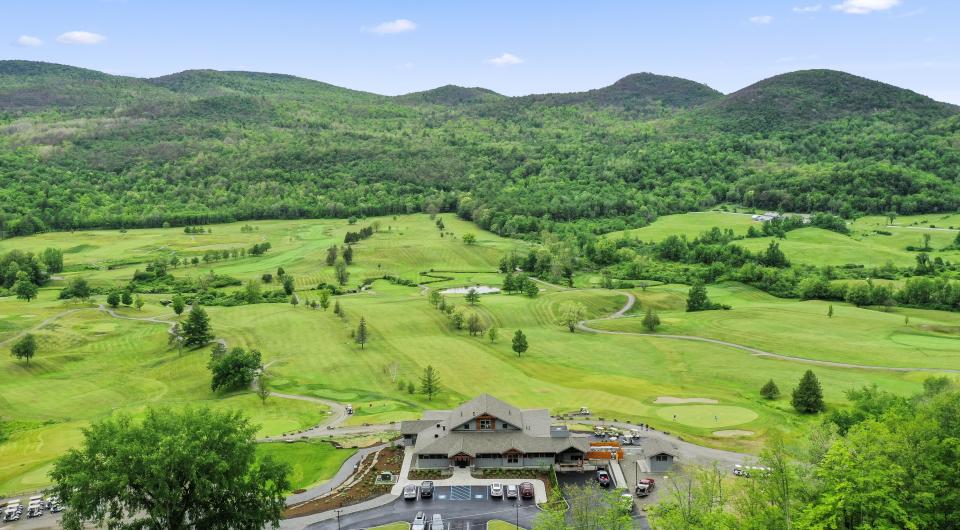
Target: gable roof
x=489, y=405
x=657, y=446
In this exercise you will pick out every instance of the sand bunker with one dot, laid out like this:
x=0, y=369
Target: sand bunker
x=669, y=400
x=733, y=433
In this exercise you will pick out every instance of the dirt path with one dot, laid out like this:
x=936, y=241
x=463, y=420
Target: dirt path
x=584, y=325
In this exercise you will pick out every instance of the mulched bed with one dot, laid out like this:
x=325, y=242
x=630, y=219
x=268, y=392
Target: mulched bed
x=388, y=459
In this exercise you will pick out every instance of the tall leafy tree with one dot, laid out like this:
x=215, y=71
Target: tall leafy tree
x=697, y=298
x=113, y=299
x=519, y=343
x=571, y=313
x=234, y=370
x=178, y=304
x=175, y=470
x=25, y=348
x=24, y=287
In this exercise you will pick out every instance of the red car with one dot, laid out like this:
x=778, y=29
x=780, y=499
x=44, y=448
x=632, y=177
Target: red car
x=526, y=490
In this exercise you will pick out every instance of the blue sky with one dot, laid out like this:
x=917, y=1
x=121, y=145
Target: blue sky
x=393, y=47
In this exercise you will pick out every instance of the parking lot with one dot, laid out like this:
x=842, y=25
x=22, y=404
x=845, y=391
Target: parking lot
x=462, y=508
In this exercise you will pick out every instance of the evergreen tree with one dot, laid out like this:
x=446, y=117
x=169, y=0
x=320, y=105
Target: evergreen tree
x=340, y=269
x=430, y=383
x=830, y=311
x=196, y=330
x=263, y=388
x=25, y=348
x=348, y=255
x=650, y=321
x=530, y=288
x=519, y=342
x=280, y=272
x=770, y=390
x=294, y=300
x=361, y=335
x=337, y=309
x=808, y=396
x=509, y=283
x=331, y=255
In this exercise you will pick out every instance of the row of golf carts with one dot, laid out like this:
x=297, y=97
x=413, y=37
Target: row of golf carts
x=13, y=509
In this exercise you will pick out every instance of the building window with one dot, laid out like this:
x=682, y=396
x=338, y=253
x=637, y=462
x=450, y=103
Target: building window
x=513, y=458
x=486, y=425
x=661, y=458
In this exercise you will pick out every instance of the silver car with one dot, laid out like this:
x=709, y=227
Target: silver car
x=410, y=492
x=437, y=523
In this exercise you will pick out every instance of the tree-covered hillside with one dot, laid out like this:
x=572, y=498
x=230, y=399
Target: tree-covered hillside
x=85, y=149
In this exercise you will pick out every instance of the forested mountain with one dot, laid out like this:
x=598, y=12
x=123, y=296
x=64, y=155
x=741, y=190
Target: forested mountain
x=80, y=148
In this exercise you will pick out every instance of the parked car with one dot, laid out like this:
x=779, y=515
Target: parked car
x=626, y=502
x=437, y=523
x=426, y=488
x=410, y=492
x=526, y=490
x=603, y=478
x=645, y=487
x=419, y=522
x=512, y=491
x=496, y=490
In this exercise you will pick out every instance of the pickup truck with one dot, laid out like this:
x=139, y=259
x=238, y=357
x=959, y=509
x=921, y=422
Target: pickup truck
x=645, y=487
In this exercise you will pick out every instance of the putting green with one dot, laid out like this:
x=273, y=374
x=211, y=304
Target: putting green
x=707, y=415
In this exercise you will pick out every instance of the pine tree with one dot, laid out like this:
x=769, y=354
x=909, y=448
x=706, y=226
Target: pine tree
x=830, y=311
x=348, y=255
x=651, y=321
x=331, y=255
x=770, y=390
x=430, y=383
x=196, y=330
x=263, y=388
x=324, y=299
x=519, y=342
x=361, y=335
x=808, y=396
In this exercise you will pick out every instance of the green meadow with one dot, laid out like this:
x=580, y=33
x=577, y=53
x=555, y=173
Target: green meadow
x=91, y=365
x=311, y=462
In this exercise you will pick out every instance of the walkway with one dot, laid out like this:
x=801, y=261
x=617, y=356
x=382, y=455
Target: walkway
x=583, y=325
x=345, y=471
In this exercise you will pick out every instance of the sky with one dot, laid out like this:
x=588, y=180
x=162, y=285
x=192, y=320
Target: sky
x=512, y=47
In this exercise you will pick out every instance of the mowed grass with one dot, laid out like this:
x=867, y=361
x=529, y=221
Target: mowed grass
x=404, y=246
x=311, y=462
x=815, y=246
x=689, y=224
x=803, y=329
x=91, y=365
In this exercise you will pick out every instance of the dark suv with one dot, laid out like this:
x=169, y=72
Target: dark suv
x=426, y=488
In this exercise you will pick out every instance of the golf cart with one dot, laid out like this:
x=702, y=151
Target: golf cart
x=584, y=411
x=645, y=486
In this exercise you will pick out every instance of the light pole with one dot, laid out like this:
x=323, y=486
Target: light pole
x=338, y=519
x=518, y=513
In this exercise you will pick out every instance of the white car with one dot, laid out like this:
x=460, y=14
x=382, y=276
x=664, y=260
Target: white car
x=437, y=523
x=512, y=491
x=410, y=492
x=419, y=522
x=496, y=490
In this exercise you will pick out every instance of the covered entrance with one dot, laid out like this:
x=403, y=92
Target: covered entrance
x=462, y=460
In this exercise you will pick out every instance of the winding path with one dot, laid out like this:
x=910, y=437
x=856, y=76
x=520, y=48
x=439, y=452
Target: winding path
x=584, y=325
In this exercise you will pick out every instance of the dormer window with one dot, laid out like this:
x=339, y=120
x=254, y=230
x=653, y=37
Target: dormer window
x=486, y=425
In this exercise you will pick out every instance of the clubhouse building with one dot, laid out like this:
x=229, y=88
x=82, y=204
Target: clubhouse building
x=488, y=433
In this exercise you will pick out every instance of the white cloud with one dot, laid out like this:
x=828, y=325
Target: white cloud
x=761, y=19
x=400, y=25
x=405, y=66
x=80, y=37
x=29, y=42
x=506, y=59
x=807, y=9
x=864, y=7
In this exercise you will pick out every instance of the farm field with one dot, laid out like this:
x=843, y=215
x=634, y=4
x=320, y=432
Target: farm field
x=90, y=365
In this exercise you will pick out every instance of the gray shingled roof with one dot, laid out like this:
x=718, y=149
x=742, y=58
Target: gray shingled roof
x=473, y=443
x=656, y=446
